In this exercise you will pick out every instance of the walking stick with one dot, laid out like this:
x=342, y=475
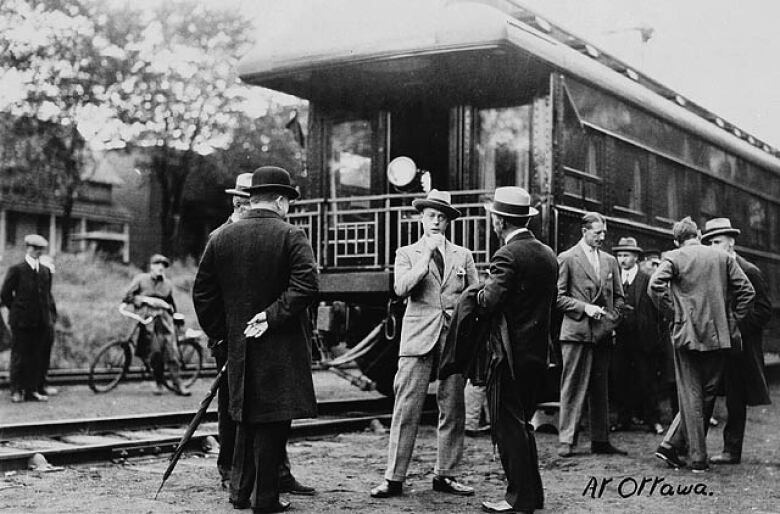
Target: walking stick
x=204, y=405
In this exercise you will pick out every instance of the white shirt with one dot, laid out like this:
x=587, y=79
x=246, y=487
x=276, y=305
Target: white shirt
x=512, y=234
x=593, y=256
x=627, y=276
x=32, y=262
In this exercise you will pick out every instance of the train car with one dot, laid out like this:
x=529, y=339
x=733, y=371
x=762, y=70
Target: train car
x=481, y=94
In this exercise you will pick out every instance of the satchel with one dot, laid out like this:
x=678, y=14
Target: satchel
x=604, y=327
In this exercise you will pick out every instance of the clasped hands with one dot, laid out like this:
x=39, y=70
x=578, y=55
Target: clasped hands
x=256, y=326
x=594, y=311
x=433, y=242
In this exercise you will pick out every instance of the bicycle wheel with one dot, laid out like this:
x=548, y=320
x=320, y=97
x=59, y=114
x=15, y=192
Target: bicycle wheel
x=190, y=363
x=109, y=366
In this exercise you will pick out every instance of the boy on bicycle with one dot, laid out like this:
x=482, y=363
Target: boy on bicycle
x=152, y=294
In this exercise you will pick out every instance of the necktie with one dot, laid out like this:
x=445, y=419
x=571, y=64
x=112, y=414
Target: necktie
x=594, y=259
x=439, y=261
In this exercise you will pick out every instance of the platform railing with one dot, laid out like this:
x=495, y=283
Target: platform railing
x=363, y=232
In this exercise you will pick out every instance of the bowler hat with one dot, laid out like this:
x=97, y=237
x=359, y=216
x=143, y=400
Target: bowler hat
x=159, y=259
x=512, y=202
x=36, y=240
x=272, y=179
x=717, y=227
x=627, y=244
x=243, y=181
x=439, y=200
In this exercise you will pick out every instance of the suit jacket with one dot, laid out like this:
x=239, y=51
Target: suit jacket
x=431, y=298
x=747, y=370
x=522, y=287
x=27, y=295
x=641, y=326
x=261, y=263
x=695, y=282
x=578, y=286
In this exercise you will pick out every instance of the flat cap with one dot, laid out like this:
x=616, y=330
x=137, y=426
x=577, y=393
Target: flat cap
x=159, y=259
x=35, y=240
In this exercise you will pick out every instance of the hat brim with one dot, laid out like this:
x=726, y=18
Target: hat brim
x=288, y=191
x=720, y=232
x=237, y=192
x=531, y=212
x=448, y=210
x=634, y=249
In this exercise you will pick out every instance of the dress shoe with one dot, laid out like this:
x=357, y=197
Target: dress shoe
x=501, y=506
x=725, y=458
x=479, y=431
x=17, y=397
x=182, y=391
x=159, y=390
x=387, y=489
x=669, y=455
x=241, y=504
x=699, y=467
x=49, y=391
x=451, y=486
x=35, y=396
x=605, y=448
x=279, y=506
x=297, y=488
x=658, y=429
x=565, y=450
x=713, y=422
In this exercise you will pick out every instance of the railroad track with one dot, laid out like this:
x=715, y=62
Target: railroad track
x=74, y=441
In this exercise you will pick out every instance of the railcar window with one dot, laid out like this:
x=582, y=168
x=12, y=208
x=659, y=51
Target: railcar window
x=350, y=158
x=630, y=179
x=503, y=146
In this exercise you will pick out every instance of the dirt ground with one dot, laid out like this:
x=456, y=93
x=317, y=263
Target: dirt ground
x=344, y=467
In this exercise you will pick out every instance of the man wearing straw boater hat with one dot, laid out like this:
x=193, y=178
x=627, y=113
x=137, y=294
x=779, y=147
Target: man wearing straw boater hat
x=431, y=274
x=255, y=282
x=522, y=290
x=745, y=382
x=637, y=355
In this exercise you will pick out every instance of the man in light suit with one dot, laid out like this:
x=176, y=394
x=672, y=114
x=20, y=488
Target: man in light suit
x=432, y=274
x=697, y=283
x=588, y=288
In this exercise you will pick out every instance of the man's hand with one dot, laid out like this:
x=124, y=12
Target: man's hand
x=594, y=311
x=432, y=243
x=256, y=326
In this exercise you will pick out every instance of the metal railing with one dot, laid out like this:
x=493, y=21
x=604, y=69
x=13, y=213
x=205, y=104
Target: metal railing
x=362, y=232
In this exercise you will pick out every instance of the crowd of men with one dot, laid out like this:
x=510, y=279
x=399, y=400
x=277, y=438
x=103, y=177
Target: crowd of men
x=701, y=307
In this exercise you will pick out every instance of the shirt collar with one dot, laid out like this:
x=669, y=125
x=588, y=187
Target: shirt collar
x=629, y=275
x=586, y=247
x=512, y=234
x=34, y=263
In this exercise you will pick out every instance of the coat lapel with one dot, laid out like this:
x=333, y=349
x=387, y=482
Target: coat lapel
x=449, y=259
x=605, y=270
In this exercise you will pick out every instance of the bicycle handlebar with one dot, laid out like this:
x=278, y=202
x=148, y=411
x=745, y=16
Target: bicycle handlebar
x=123, y=310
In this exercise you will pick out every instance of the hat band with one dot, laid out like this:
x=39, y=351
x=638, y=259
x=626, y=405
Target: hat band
x=511, y=209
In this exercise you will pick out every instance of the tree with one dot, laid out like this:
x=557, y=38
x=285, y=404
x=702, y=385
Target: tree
x=181, y=97
x=55, y=70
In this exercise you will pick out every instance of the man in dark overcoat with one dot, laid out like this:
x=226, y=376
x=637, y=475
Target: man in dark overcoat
x=637, y=356
x=26, y=292
x=521, y=287
x=261, y=269
x=744, y=378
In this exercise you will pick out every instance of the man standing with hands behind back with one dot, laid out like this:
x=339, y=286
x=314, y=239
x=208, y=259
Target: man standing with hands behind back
x=432, y=273
x=588, y=287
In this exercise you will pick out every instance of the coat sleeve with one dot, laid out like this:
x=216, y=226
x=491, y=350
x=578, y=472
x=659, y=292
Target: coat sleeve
x=406, y=276
x=52, y=305
x=302, y=287
x=9, y=287
x=741, y=288
x=618, y=295
x=502, y=272
x=761, y=312
x=472, y=278
x=658, y=288
x=568, y=305
x=207, y=297
x=133, y=290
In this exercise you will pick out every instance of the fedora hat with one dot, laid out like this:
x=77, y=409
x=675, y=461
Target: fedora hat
x=35, y=240
x=627, y=244
x=439, y=200
x=272, y=179
x=513, y=202
x=243, y=181
x=717, y=227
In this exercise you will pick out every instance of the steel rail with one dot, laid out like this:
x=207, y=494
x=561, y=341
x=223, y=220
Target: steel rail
x=353, y=414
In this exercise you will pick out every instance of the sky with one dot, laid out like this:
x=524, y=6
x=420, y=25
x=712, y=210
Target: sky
x=721, y=54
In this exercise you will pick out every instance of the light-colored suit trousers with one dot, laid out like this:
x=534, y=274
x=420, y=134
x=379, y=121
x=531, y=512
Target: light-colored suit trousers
x=584, y=375
x=411, y=387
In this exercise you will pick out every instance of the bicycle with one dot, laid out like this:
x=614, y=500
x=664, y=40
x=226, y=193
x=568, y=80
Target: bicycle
x=112, y=362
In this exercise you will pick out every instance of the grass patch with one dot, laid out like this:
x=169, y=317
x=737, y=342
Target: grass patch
x=88, y=291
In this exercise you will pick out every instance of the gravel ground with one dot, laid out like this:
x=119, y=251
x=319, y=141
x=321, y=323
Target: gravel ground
x=344, y=467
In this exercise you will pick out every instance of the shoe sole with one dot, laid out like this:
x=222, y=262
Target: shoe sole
x=669, y=462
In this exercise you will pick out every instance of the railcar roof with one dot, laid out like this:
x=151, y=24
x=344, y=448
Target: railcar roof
x=351, y=52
